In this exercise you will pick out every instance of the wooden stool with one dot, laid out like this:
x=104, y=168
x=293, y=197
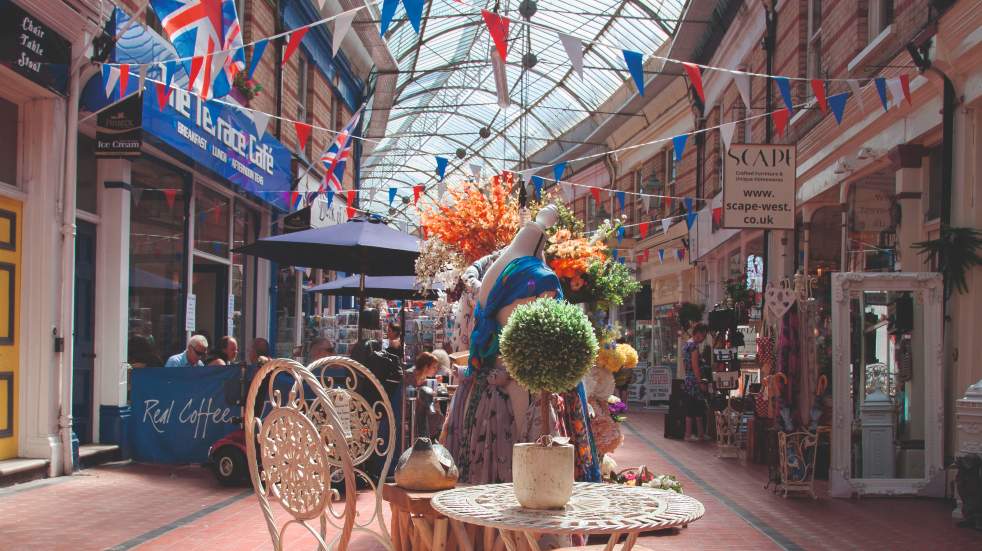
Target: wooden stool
x=417, y=527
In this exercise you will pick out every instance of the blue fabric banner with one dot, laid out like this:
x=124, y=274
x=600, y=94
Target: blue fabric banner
x=179, y=412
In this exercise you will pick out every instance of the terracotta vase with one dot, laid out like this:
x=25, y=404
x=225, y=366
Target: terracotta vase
x=426, y=467
x=542, y=475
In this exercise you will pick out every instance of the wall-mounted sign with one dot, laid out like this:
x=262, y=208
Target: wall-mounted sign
x=119, y=131
x=32, y=49
x=190, y=313
x=759, y=186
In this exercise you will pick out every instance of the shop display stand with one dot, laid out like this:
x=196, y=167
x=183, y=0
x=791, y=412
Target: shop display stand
x=730, y=440
x=796, y=461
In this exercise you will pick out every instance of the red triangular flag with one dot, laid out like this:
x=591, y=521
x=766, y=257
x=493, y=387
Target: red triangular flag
x=426, y=234
x=905, y=85
x=351, y=203
x=718, y=215
x=163, y=92
x=498, y=27
x=668, y=204
x=124, y=78
x=197, y=62
x=596, y=194
x=695, y=77
x=170, y=194
x=417, y=191
x=643, y=228
x=291, y=45
x=818, y=87
x=781, y=120
x=303, y=132
x=293, y=198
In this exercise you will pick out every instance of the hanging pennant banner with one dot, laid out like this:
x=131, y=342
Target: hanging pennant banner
x=881, y=91
x=441, y=167
x=417, y=191
x=857, y=93
x=537, y=183
x=596, y=194
x=680, y=253
x=558, y=170
x=781, y=118
x=695, y=77
x=896, y=91
x=261, y=121
x=620, y=199
x=784, y=85
x=665, y=224
x=352, y=194
x=388, y=12
x=110, y=76
x=294, y=42
x=342, y=24
x=414, y=12
x=643, y=228
x=905, y=86
x=330, y=197
x=818, y=88
x=143, y=78
x=574, y=50
x=475, y=171
x=678, y=145
x=257, y=53
x=170, y=195
x=303, y=132
x=500, y=73
x=498, y=27
x=759, y=186
x=726, y=133
x=635, y=65
x=743, y=85
x=392, y=195
x=124, y=79
x=837, y=104
x=620, y=234
x=661, y=255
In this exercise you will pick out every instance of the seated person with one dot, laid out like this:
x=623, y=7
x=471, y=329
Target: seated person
x=228, y=351
x=192, y=356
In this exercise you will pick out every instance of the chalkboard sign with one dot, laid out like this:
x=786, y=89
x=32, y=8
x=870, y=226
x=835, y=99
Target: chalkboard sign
x=33, y=49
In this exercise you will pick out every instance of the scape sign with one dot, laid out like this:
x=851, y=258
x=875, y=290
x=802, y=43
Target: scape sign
x=759, y=186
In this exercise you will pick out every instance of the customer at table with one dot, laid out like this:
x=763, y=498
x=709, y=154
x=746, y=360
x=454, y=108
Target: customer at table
x=259, y=353
x=192, y=356
x=393, y=334
x=319, y=348
x=228, y=351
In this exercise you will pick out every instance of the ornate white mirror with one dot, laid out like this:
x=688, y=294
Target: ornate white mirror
x=887, y=435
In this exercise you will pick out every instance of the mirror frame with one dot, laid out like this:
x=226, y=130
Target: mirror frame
x=928, y=291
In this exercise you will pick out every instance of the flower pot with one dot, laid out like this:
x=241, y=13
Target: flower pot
x=542, y=475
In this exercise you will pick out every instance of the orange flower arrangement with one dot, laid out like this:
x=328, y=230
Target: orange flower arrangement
x=570, y=256
x=476, y=221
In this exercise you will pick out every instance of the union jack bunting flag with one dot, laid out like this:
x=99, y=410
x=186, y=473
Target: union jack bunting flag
x=336, y=156
x=199, y=30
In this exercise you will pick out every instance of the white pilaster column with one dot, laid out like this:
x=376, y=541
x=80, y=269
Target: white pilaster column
x=112, y=298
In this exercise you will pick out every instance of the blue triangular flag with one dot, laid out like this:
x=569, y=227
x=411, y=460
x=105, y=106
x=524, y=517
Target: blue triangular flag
x=661, y=255
x=784, y=85
x=392, y=195
x=558, y=169
x=257, y=53
x=621, y=260
x=837, y=104
x=620, y=199
x=620, y=234
x=330, y=197
x=678, y=142
x=614, y=251
x=388, y=12
x=881, y=90
x=537, y=182
x=635, y=63
x=214, y=110
x=441, y=168
x=690, y=213
x=414, y=12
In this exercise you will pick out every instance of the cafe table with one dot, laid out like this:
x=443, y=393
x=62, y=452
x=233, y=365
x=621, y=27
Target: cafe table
x=614, y=510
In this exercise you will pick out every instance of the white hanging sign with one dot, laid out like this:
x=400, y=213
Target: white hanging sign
x=759, y=186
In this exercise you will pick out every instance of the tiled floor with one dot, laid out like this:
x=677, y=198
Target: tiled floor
x=155, y=508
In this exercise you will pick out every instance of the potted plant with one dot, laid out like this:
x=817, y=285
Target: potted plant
x=547, y=346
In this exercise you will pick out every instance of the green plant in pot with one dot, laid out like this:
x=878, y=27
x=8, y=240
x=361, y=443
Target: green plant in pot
x=547, y=346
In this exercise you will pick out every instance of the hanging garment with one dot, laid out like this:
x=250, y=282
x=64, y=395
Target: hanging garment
x=789, y=362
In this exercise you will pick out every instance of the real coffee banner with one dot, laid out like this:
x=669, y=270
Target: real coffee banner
x=759, y=186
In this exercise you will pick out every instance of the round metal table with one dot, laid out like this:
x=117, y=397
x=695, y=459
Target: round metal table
x=594, y=508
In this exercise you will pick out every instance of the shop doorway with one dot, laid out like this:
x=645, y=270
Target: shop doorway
x=83, y=362
x=210, y=288
x=10, y=238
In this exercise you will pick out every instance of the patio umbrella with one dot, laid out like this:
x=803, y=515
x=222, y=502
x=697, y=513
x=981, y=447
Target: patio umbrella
x=358, y=246
x=388, y=287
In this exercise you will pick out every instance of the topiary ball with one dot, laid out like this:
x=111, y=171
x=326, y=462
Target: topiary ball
x=548, y=345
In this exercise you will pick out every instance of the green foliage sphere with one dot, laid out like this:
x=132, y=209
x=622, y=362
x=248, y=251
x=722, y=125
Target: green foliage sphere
x=548, y=345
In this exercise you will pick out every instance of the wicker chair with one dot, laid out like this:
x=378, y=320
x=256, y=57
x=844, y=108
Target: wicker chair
x=296, y=452
x=366, y=412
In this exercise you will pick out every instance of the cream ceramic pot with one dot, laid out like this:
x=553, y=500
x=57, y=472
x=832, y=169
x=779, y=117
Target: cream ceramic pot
x=542, y=475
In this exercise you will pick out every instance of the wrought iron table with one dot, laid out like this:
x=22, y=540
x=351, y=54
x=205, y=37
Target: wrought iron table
x=609, y=509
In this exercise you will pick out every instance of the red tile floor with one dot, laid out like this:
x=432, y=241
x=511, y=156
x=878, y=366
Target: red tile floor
x=129, y=506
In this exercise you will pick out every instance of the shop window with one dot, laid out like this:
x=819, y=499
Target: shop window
x=286, y=311
x=157, y=264
x=211, y=216
x=8, y=142
x=87, y=177
x=879, y=17
x=245, y=226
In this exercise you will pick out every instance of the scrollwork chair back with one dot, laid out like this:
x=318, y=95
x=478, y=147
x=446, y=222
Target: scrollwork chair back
x=297, y=452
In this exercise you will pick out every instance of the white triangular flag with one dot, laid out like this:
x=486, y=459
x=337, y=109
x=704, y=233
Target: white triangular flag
x=218, y=61
x=726, y=132
x=342, y=24
x=858, y=94
x=569, y=192
x=574, y=49
x=743, y=85
x=113, y=79
x=261, y=120
x=441, y=190
x=647, y=202
x=476, y=171
x=500, y=80
x=665, y=224
x=896, y=91
x=143, y=78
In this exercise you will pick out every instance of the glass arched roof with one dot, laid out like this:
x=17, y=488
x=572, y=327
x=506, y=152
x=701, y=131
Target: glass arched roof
x=445, y=91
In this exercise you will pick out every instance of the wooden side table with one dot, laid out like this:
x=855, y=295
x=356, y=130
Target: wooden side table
x=416, y=526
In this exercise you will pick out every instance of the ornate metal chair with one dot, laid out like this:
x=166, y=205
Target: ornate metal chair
x=296, y=452
x=369, y=424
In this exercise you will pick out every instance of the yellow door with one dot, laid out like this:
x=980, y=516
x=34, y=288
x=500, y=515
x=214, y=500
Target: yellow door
x=10, y=239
